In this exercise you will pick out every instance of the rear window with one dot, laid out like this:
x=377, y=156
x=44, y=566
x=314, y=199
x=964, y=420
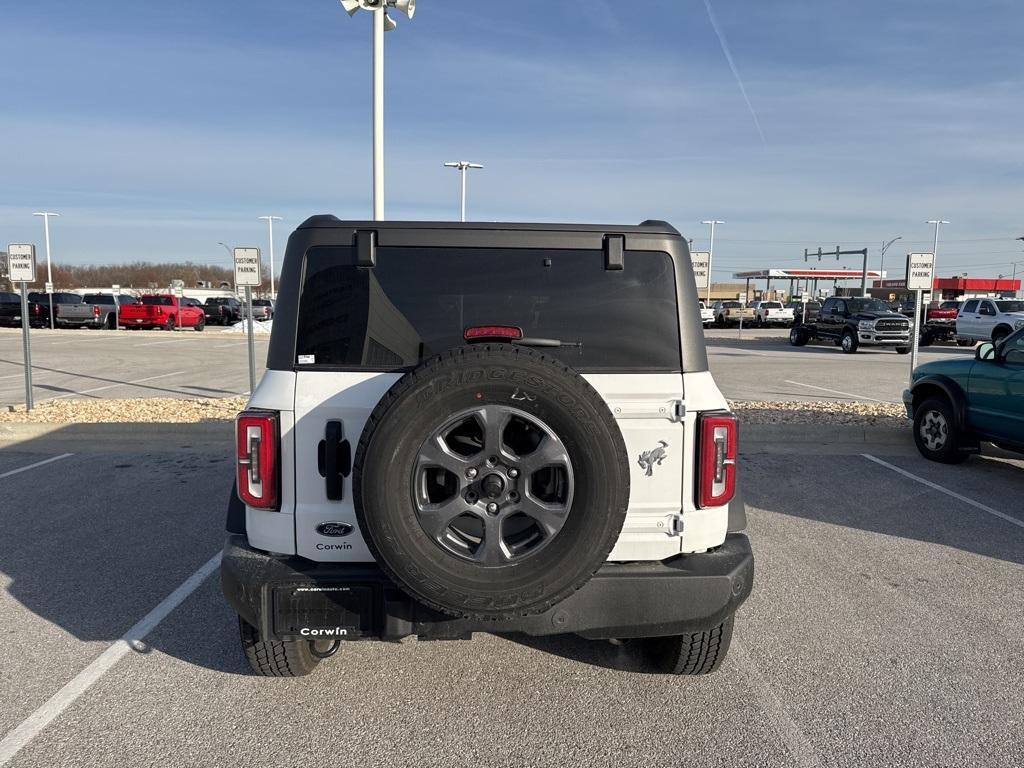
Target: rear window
x=67, y=298
x=9, y=298
x=418, y=302
x=99, y=298
x=155, y=301
x=771, y=305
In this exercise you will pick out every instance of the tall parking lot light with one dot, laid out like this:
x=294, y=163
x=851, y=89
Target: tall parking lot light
x=463, y=166
x=381, y=23
x=885, y=247
x=270, y=223
x=711, y=252
x=935, y=247
x=49, y=275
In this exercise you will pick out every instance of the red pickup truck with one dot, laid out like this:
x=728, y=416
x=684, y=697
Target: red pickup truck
x=939, y=322
x=162, y=311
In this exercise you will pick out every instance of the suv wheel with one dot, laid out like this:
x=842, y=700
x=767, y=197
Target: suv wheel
x=936, y=434
x=697, y=653
x=848, y=342
x=276, y=658
x=492, y=481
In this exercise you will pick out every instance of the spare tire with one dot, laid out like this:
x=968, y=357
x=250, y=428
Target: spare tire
x=491, y=481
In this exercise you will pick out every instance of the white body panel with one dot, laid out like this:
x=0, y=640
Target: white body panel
x=978, y=326
x=647, y=407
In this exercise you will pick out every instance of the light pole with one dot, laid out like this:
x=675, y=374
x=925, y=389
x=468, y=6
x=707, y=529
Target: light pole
x=881, y=267
x=270, y=223
x=711, y=252
x=49, y=275
x=935, y=247
x=381, y=23
x=463, y=166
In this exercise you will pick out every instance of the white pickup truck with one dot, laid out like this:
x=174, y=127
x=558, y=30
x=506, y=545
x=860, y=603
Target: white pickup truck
x=771, y=313
x=707, y=314
x=989, y=319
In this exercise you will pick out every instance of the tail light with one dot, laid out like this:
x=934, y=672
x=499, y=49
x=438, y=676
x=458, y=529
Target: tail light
x=37, y=309
x=95, y=310
x=257, y=450
x=719, y=441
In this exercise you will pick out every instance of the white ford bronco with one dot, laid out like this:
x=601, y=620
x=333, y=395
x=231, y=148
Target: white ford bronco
x=486, y=428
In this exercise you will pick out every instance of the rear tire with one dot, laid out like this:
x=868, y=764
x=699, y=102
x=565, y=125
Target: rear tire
x=275, y=658
x=926, y=339
x=798, y=337
x=902, y=350
x=936, y=434
x=965, y=342
x=696, y=653
x=1000, y=333
x=849, y=343
x=201, y=325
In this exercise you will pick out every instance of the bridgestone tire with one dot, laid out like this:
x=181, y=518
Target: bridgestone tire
x=453, y=383
x=697, y=653
x=275, y=658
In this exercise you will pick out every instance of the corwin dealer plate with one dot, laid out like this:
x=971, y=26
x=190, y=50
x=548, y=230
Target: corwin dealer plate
x=323, y=612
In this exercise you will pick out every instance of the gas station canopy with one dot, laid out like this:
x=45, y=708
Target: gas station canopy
x=806, y=274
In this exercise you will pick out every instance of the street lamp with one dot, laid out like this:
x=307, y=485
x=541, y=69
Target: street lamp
x=711, y=251
x=463, y=166
x=935, y=248
x=270, y=223
x=49, y=275
x=381, y=23
x=885, y=247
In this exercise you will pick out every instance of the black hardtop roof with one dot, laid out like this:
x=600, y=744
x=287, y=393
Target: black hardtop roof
x=651, y=226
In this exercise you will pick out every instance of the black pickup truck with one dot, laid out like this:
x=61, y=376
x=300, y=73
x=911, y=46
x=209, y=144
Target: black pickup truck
x=39, y=307
x=222, y=310
x=10, y=308
x=850, y=322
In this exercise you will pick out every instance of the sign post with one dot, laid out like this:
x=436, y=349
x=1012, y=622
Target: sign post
x=248, y=273
x=21, y=268
x=701, y=261
x=920, y=277
x=116, y=290
x=742, y=299
x=179, y=293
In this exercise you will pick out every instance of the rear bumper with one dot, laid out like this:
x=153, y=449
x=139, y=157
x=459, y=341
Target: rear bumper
x=688, y=593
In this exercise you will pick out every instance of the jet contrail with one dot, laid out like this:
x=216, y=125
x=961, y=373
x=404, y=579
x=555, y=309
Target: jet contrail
x=735, y=72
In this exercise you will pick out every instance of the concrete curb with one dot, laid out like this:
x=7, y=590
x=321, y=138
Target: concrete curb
x=122, y=432
x=824, y=434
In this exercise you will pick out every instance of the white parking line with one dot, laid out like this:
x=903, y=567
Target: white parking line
x=34, y=724
x=940, y=489
x=119, y=384
x=844, y=394
x=155, y=343
x=37, y=464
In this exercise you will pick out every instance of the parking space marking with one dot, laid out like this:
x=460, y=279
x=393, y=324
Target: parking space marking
x=37, y=464
x=844, y=394
x=940, y=489
x=119, y=384
x=35, y=723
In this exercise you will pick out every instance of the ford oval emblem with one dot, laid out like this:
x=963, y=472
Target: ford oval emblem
x=336, y=530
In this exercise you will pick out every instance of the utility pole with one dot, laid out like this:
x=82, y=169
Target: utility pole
x=270, y=223
x=711, y=253
x=935, y=248
x=49, y=275
x=885, y=247
x=462, y=166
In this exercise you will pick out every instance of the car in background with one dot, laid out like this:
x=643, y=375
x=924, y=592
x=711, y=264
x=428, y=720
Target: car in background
x=989, y=319
x=10, y=308
x=262, y=309
x=850, y=322
x=812, y=308
x=731, y=312
x=39, y=313
x=222, y=310
x=163, y=311
x=771, y=313
x=955, y=403
x=707, y=315
x=97, y=310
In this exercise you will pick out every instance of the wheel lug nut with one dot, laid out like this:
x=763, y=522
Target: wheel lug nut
x=471, y=473
x=513, y=473
x=492, y=508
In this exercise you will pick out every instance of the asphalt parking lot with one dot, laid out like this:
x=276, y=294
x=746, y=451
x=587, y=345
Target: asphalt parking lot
x=105, y=364
x=760, y=364
x=885, y=629
x=82, y=363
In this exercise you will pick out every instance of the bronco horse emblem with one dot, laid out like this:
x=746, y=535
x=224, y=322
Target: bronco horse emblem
x=655, y=456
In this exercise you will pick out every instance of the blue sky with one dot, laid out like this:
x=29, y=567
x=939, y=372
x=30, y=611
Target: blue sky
x=158, y=129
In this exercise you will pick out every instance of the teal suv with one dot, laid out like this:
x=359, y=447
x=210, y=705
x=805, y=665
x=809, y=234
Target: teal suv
x=955, y=404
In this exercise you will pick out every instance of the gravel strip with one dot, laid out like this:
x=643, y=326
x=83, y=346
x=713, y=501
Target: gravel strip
x=149, y=410
x=820, y=412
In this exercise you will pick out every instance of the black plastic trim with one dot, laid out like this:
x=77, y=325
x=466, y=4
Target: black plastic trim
x=686, y=593
x=951, y=389
x=737, y=514
x=366, y=248
x=236, y=512
x=614, y=246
